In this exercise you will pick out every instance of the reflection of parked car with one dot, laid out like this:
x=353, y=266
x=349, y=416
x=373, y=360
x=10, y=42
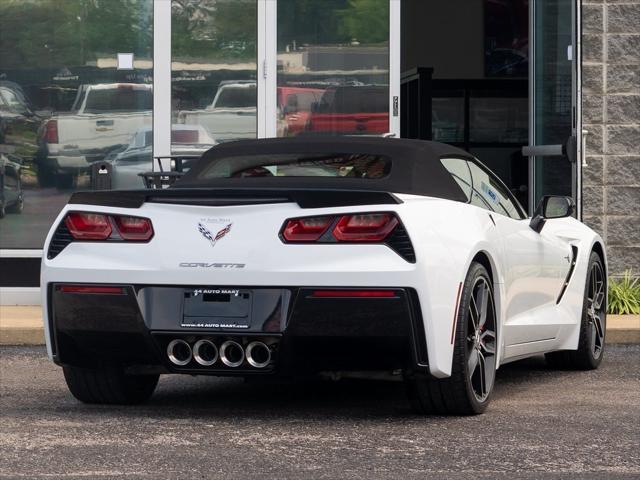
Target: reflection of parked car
x=231, y=115
x=18, y=122
x=295, y=104
x=11, y=196
x=137, y=158
x=351, y=110
x=103, y=118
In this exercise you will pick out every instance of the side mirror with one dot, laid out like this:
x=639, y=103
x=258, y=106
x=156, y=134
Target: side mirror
x=551, y=207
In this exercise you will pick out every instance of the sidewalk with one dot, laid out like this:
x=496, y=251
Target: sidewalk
x=23, y=326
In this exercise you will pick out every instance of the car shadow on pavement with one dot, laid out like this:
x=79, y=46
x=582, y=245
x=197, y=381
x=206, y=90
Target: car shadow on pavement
x=315, y=398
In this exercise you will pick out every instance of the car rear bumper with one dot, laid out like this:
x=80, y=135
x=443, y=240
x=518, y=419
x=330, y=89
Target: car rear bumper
x=306, y=329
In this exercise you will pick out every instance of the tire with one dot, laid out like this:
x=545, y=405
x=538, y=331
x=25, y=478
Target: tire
x=591, y=341
x=46, y=177
x=65, y=181
x=468, y=390
x=109, y=385
x=17, y=207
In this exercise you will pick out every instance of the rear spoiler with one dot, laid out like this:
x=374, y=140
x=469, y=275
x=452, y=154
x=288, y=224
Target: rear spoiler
x=305, y=198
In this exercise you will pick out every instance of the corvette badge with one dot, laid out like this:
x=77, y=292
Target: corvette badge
x=206, y=233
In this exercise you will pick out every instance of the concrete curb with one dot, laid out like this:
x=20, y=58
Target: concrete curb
x=22, y=325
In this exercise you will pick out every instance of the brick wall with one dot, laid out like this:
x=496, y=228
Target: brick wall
x=611, y=114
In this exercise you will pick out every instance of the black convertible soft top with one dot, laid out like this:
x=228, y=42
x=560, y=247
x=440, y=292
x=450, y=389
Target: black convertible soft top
x=416, y=167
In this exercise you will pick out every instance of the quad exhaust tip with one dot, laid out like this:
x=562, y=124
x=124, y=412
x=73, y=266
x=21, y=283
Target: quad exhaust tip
x=231, y=354
x=258, y=354
x=205, y=352
x=179, y=352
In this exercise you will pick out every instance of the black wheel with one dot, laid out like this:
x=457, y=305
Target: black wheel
x=468, y=390
x=109, y=385
x=65, y=181
x=46, y=177
x=593, y=324
x=17, y=207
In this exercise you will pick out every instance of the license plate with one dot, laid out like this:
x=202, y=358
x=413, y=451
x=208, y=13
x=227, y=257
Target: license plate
x=211, y=307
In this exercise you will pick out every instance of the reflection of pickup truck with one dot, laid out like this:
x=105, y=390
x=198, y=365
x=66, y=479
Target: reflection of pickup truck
x=231, y=115
x=295, y=105
x=361, y=110
x=103, y=118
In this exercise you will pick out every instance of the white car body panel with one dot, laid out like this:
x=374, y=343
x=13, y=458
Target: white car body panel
x=528, y=268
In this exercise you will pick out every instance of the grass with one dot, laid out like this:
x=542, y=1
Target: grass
x=624, y=295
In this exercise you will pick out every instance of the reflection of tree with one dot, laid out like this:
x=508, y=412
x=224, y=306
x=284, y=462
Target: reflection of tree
x=332, y=21
x=52, y=33
x=214, y=30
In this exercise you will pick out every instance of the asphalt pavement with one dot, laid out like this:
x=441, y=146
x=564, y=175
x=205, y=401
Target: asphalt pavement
x=541, y=424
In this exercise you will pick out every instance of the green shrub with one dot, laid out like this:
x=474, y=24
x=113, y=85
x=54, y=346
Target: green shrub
x=624, y=295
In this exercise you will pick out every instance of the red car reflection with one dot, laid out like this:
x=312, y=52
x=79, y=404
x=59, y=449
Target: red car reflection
x=295, y=104
x=351, y=110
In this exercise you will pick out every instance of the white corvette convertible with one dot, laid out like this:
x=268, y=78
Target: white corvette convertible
x=286, y=257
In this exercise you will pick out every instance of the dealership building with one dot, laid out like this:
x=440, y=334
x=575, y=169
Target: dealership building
x=544, y=92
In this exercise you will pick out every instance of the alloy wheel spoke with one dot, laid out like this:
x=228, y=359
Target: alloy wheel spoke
x=597, y=323
x=483, y=297
x=472, y=363
x=483, y=377
x=594, y=336
x=473, y=312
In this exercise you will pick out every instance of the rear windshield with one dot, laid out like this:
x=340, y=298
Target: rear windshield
x=121, y=99
x=299, y=165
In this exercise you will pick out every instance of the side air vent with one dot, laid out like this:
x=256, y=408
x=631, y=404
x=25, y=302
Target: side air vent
x=574, y=258
x=60, y=240
x=399, y=241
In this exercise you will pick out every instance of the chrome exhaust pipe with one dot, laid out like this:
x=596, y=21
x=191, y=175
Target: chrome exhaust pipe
x=205, y=352
x=179, y=352
x=258, y=354
x=231, y=354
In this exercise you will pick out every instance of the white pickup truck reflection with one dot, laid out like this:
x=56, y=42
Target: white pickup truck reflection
x=103, y=118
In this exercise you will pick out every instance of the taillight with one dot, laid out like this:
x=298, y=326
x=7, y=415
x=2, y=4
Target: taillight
x=365, y=227
x=134, y=228
x=98, y=226
x=354, y=227
x=51, y=131
x=307, y=229
x=88, y=226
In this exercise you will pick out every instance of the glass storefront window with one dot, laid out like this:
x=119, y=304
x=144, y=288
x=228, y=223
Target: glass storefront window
x=333, y=67
x=498, y=119
x=447, y=119
x=64, y=104
x=213, y=72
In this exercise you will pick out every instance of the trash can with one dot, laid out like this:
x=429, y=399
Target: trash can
x=101, y=176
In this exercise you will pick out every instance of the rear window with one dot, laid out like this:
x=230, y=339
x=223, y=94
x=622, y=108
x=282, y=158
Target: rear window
x=347, y=165
x=122, y=99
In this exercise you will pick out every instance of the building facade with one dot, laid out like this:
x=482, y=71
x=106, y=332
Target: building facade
x=611, y=115
x=545, y=92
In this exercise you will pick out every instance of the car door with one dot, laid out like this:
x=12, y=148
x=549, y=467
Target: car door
x=535, y=265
